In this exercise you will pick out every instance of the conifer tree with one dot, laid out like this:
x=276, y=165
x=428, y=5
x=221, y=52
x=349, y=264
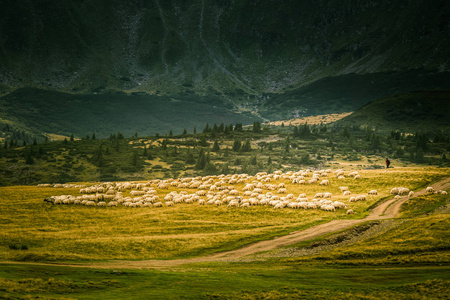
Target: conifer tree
x=201, y=161
x=28, y=157
x=190, y=158
x=237, y=145
x=247, y=147
x=216, y=146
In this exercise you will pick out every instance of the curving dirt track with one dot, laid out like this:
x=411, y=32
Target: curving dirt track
x=386, y=210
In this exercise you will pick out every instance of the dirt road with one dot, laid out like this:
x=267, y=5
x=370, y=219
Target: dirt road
x=386, y=210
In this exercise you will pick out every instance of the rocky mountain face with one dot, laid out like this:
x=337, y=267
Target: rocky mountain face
x=247, y=52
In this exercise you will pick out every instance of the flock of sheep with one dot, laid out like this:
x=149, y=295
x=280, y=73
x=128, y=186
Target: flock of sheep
x=219, y=190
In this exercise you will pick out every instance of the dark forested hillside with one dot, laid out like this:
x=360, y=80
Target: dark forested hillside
x=260, y=58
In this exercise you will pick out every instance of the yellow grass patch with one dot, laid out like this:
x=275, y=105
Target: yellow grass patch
x=311, y=120
x=77, y=232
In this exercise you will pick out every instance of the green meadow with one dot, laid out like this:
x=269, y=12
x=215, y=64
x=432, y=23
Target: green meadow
x=80, y=252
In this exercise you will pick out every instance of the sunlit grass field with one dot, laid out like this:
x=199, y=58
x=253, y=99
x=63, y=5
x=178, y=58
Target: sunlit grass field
x=33, y=230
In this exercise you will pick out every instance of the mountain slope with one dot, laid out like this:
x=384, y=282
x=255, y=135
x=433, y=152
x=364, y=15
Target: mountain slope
x=223, y=46
x=418, y=111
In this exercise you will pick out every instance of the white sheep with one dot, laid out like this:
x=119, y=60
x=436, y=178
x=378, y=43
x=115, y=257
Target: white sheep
x=395, y=191
x=350, y=211
x=282, y=191
x=429, y=189
x=346, y=193
x=279, y=205
x=403, y=191
x=373, y=192
x=338, y=204
x=245, y=205
x=361, y=198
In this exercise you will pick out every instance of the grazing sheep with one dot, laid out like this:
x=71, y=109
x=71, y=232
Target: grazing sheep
x=158, y=204
x=282, y=191
x=201, y=193
x=346, y=193
x=102, y=203
x=352, y=199
x=279, y=205
x=343, y=188
x=411, y=194
x=311, y=205
x=245, y=205
x=395, y=191
x=361, y=198
x=350, y=211
x=169, y=203
x=444, y=193
x=234, y=193
x=373, y=192
x=403, y=191
x=429, y=189
x=357, y=176
x=338, y=204
x=113, y=203
x=254, y=201
x=327, y=207
x=233, y=203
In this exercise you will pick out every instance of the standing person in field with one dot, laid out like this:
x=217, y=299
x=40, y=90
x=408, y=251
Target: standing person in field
x=387, y=163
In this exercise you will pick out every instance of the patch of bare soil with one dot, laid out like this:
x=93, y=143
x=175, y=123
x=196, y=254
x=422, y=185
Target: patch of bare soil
x=355, y=234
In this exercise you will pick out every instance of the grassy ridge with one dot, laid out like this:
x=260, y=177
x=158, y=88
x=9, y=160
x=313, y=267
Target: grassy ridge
x=350, y=92
x=411, y=112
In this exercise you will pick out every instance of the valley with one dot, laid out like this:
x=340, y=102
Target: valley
x=242, y=149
